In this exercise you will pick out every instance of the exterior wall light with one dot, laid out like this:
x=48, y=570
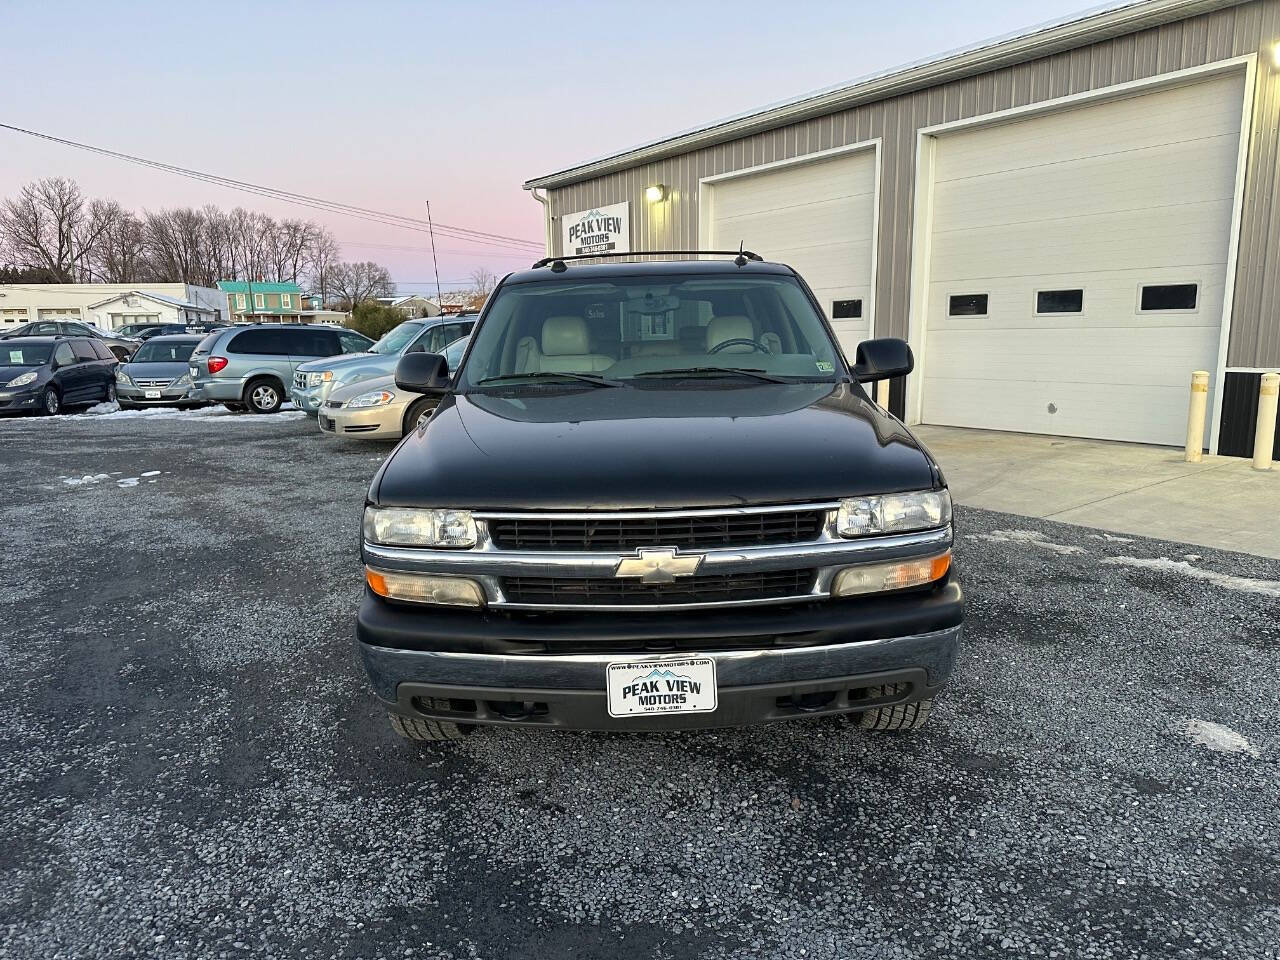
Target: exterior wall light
x=656, y=193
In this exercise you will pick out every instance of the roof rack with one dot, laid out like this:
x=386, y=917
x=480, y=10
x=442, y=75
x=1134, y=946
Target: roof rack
x=740, y=257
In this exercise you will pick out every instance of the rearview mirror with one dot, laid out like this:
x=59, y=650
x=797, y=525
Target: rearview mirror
x=423, y=373
x=882, y=358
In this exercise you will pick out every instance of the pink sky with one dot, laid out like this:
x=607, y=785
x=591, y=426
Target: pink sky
x=386, y=105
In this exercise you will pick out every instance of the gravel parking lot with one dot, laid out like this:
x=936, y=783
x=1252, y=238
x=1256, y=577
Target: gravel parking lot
x=191, y=764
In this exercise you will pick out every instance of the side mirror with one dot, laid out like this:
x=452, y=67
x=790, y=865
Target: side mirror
x=423, y=373
x=883, y=358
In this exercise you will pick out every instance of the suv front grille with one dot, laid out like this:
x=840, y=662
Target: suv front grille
x=688, y=532
x=300, y=380
x=717, y=588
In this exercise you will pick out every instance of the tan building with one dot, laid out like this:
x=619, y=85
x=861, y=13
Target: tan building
x=111, y=305
x=1064, y=223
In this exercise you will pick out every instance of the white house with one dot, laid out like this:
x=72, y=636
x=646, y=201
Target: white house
x=139, y=306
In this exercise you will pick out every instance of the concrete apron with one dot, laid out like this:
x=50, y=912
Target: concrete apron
x=1132, y=488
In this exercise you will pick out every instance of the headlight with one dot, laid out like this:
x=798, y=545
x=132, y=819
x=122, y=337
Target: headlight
x=893, y=513
x=22, y=379
x=315, y=379
x=182, y=381
x=377, y=398
x=404, y=527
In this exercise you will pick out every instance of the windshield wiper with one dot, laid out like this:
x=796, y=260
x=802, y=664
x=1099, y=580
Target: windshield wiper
x=594, y=379
x=725, y=371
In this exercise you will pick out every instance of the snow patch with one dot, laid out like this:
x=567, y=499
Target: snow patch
x=1110, y=536
x=1031, y=538
x=1265, y=588
x=1218, y=738
x=150, y=473
x=88, y=478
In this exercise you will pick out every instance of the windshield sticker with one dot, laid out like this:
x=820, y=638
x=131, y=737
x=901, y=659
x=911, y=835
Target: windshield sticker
x=825, y=366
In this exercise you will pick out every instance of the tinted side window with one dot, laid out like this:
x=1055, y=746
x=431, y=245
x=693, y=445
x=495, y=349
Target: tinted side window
x=79, y=328
x=351, y=343
x=313, y=343
x=268, y=343
x=102, y=350
x=83, y=351
x=62, y=355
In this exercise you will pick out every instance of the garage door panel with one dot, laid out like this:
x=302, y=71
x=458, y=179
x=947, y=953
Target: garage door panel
x=807, y=225
x=1102, y=411
x=1188, y=235
x=809, y=184
x=1125, y=355
x=1110, y=300
x=1166, y=175
x=1180, y=114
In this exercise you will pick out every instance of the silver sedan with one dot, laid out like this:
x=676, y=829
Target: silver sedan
x=378, y=409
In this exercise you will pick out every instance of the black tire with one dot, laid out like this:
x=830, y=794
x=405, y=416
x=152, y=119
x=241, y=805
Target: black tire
x=235, y=407
x=428, y=731
x=901, y=716
x=264, y=395
x=50, y=402
x=420, y=409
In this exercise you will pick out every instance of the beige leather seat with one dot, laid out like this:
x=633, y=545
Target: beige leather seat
x=564, y=348
x=730, y=327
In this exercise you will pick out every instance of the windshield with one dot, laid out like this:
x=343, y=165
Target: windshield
x=160, y=351
x=25, y=355
x=397, y=339
x=653, y=329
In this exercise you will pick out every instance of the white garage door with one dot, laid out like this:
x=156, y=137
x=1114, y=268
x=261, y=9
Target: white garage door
x=818, y=217
x=1078, y=264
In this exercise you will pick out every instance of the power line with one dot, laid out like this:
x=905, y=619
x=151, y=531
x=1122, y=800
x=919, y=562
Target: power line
x=465, y=234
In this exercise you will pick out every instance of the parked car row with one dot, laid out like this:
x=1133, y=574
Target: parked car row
x=338, y=375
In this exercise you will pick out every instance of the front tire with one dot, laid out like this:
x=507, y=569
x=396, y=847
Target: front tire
x=424, y=730
x=419, y=412
x=111, y=393
x=899, y=716
x=264, y=395
x=50, y=402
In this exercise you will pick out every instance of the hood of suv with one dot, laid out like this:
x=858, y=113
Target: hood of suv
x=662, y=448
x=338, y=362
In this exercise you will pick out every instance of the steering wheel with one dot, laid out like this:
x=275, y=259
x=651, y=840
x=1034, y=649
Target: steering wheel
x=756, y=345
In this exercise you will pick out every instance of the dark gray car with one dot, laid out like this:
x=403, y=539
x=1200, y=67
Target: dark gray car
x=158, y=375
x=252, y=366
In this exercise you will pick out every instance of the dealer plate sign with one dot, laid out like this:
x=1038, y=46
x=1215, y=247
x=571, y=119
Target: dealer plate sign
x=642, y=688
x=604, y=229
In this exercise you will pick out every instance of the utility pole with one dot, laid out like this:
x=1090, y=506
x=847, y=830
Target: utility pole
x=434, y=263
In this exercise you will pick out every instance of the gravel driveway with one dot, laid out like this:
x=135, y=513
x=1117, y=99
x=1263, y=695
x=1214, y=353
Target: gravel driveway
x=191, y=764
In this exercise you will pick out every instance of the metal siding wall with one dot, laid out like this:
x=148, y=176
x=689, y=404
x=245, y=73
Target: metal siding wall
x=1248, y=28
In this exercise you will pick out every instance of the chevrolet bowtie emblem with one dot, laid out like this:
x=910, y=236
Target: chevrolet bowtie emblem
x=662, y=565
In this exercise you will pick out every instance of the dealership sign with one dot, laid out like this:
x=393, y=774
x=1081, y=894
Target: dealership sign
x=598, y=230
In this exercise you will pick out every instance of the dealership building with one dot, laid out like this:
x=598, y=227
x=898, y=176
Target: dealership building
x=1064, y=223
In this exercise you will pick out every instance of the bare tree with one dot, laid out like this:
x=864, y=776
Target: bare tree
x=354, y=283
x=120, y=256
x=323, y=255
x=483, y=280
x=50, y=226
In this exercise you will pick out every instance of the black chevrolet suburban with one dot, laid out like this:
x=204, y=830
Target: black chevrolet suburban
x=654, y=496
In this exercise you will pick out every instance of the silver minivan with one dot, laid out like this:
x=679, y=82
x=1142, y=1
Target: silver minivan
x=252, y=366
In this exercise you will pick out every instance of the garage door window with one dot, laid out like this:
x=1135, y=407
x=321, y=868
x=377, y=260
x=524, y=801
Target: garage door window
x=846, y=309
x=1059, y=301
x=967, y=305
x=1165, y=297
